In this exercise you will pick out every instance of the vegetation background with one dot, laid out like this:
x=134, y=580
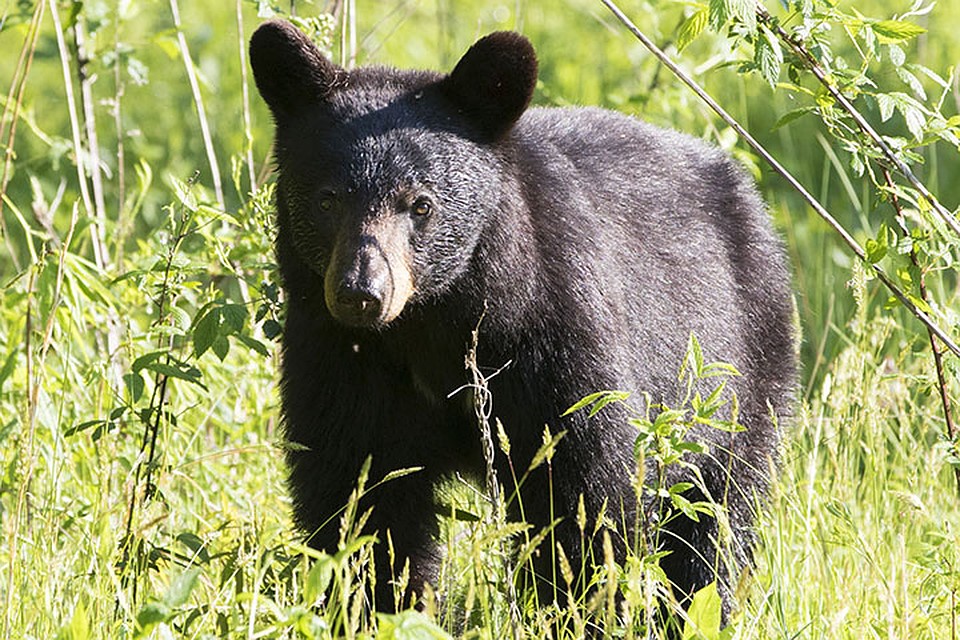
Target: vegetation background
x=141, y=478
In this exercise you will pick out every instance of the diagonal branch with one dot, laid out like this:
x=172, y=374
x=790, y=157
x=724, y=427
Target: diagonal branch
x=786, y=175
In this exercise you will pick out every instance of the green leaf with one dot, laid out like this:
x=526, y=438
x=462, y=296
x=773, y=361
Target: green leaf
x=719, y=12
x=180, y=588
x=913, y=82
x=221, y=347
x=768, y=56
x=135, y=386
x=896, y=30
x=692, y=27
x=408, y=625
x=179, y=370
x=79, y=626
x=234, y=316
x=83, y=426
x=886, y=104
x=272, y=329
x=704, y=615
x=193, y=542
x=205, y=331
x=150, y=615
x=792, y=115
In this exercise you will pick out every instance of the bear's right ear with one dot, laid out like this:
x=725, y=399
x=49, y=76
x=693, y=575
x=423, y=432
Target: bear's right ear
x=494, y=81
x=289, y=70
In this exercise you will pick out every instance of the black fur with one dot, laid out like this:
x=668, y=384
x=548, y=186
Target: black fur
x=594, y=242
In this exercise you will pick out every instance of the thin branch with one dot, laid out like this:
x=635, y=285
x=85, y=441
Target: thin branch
x=245, y=96
x=198, y=101
x=786, y=175
x=99, y=252
x=934, y=347
x=11, y=110
x=481, y=408
x=801, y=51
x=90, y=129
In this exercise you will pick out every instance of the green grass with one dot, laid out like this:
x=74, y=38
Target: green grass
x=861, y=535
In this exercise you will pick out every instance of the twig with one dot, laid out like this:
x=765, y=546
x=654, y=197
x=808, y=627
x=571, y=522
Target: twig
x=99, y=252
x=934, y=347
x=245, y=96
x=786, y=175
x=198, y=101
x=90, y=129
x=11, y=109
x=481, y=408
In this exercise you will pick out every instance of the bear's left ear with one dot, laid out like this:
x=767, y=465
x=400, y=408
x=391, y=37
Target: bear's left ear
x=494, y=81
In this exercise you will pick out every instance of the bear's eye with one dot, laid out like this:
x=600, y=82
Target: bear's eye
x=422, y=207
x=326, y=201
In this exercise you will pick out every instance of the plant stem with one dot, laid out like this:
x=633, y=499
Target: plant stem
x=90, y=129
x=11, y=110
x=198, y=101
x=481, y=407
x=934, y=347
x=99, y=252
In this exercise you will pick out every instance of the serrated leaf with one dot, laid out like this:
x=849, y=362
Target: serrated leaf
x=896, y=55
x=896, y=30
x=912, y=81
x=768, y=57
x=916, y=121
x=886, y=104
x=205, y=331
x=718, y=13
x=692, y=27
x=234, y=316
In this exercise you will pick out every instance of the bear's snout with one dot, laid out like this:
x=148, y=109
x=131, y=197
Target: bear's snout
x=368, y=282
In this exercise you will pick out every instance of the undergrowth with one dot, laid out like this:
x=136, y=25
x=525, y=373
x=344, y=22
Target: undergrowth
x=141, y=486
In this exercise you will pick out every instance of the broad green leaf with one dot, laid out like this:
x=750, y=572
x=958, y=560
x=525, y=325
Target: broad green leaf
x=896, y=30
x=205, y=331
x=180, y=587
x=886, y=104
x=408, y=625
x=692, y=27
x=234, y=316
x=704, y=615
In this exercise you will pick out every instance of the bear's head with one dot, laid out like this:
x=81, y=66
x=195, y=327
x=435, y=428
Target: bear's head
x=387, y=178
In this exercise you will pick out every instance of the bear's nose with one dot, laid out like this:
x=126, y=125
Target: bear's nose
x=358, y=304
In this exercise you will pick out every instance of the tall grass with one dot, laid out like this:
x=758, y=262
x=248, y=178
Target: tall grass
x=141, y=486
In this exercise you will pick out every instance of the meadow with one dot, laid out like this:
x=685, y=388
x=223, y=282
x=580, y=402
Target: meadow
x=141, y=460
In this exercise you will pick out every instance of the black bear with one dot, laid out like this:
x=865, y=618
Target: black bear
x=410, y=204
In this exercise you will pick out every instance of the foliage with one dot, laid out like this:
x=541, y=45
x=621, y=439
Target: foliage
x=141, y=481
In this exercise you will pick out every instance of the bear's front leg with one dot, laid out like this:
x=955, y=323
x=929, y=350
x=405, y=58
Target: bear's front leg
x=399, y=512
